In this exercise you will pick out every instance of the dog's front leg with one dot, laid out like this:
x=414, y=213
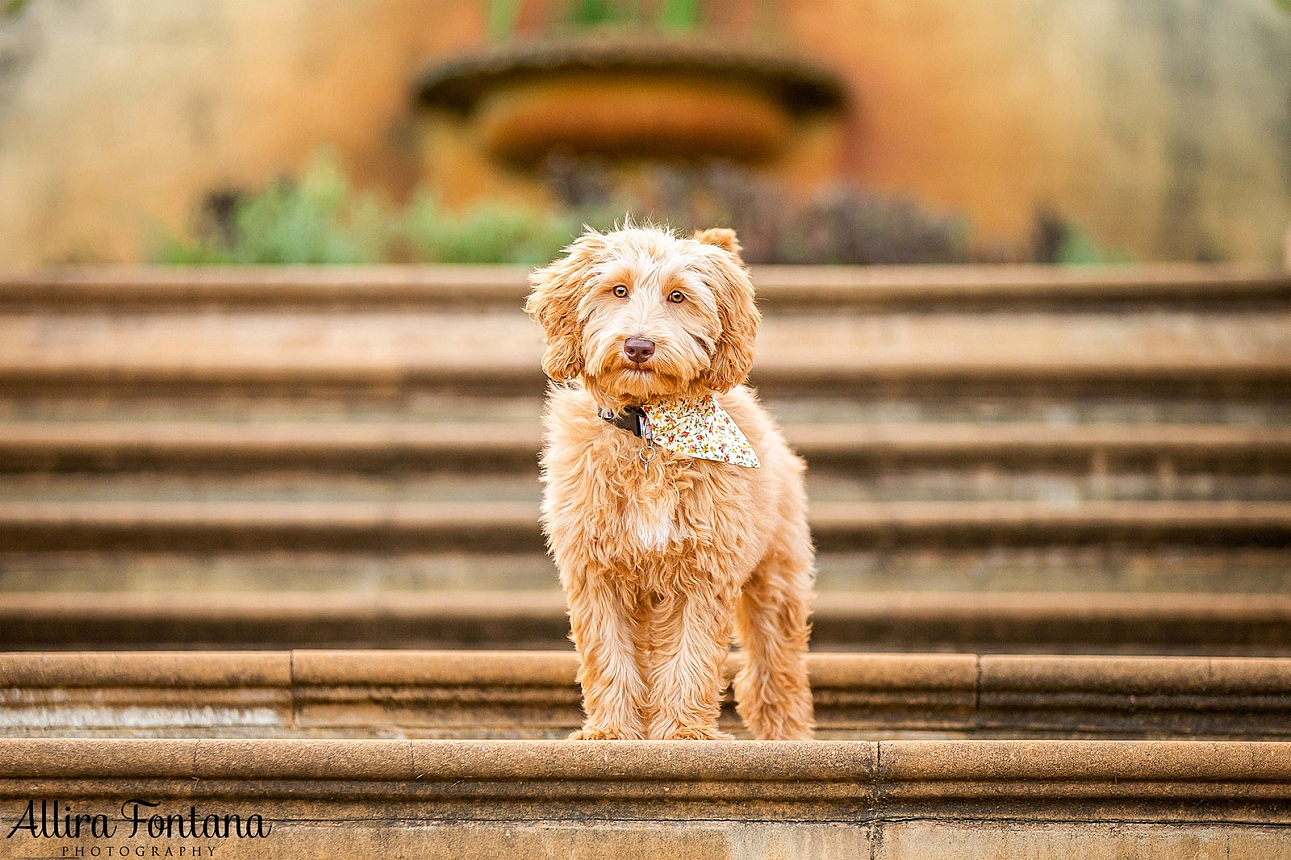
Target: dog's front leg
x=687, y=679
x=613, y=689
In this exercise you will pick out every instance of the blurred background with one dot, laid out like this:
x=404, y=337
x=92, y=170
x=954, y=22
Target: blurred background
x=825, y=130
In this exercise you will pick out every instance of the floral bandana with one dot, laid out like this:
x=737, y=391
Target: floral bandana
x=700, y=429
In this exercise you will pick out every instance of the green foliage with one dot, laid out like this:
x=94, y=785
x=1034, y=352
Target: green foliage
x=490, y=233
x=171, y=251
x=1059, y=240
x=13, y=8
x=319, y=219
x=590, y=13
x=315, y=219
x=684, y=15
x=1079, y=248
x=679, y=14
x=503, y=16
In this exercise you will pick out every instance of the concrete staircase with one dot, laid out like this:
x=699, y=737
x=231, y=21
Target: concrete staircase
x=1001, y=459
x=1053, y=509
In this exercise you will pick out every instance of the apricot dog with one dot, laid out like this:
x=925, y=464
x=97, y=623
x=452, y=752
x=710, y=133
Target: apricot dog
x=661, y=542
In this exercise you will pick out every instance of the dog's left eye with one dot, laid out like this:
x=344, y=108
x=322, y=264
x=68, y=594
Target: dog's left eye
x=621, y=291
x=676, y=297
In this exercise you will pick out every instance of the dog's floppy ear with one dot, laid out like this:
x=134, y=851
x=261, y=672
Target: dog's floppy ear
x=722, y=237
x=739, y=317
x=553, y=304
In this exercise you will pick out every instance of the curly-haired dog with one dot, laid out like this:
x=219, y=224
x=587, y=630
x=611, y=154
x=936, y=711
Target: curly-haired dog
x=672, y=503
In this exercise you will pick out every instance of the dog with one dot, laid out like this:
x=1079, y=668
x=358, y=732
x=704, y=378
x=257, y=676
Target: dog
x=671, y=502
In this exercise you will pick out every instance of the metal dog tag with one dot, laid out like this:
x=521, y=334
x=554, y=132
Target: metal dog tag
x=646, y=432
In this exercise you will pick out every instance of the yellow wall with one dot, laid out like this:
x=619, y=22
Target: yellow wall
x=1163, y=126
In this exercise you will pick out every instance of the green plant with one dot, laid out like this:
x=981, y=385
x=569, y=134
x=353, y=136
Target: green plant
x=489, y=233
x=679, y=14
x=318, y=218
x=684, y=15
x=1058, y=240
x=503, y=17
x=590, y=13
x=314, y=219
x=1079, y=248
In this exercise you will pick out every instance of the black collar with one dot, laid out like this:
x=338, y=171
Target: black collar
x=630, y=418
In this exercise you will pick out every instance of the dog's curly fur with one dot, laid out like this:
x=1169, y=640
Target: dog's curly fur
x=656, y=562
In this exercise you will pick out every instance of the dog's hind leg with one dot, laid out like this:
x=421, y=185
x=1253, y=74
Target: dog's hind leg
x=772, y=620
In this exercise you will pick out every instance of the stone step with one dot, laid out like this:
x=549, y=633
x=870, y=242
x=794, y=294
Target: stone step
x=826, y=799
x=111, y=445
x=882, y=405
x=518, y=694
x=502, y=349
x=881, y=481
x=407, y=521
x=509, y=525
x=1165, y=565
x=778, y=286
x=1179, y=326
x=1206, y=624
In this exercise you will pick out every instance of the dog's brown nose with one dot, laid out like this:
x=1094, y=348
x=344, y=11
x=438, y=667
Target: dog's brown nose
x=638, y=349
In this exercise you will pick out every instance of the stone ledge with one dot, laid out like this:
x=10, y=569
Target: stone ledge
x=40, y=524
x=732, y=771
x=386, y=441
x=196, y=669
x=1211, y=624
x=628, y=800
x=534, y=695
x=133, y=286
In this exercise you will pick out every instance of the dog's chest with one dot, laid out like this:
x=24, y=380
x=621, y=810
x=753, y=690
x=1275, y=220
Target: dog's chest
x=654, y=527
x=652, y=510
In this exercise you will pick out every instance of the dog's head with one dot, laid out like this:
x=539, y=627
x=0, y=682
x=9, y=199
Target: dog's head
x=640, y=313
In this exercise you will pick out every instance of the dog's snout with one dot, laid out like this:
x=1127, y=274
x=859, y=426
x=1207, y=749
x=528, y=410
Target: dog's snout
x=638, y=349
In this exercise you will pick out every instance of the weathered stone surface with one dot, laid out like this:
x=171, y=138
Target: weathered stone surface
x=404, y=327
x=926, y=840
x=534, y=695
x=152, y=669
x=475, y=799
x=778, y=287
x=1203, y=623
x=382, y=346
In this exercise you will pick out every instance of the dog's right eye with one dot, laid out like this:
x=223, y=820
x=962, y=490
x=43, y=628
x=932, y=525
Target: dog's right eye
x=621, y=291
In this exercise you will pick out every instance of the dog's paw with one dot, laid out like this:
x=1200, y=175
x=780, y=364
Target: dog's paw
x=601, y=733
x=694, y=733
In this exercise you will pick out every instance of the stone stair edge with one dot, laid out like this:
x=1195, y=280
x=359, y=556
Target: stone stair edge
x=1024, y=622
x=523, y=373
x=507, y=604
x=776, y=284
x=512, y=520
x=216, y=437
x=959, y=672
x=1148, y=768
